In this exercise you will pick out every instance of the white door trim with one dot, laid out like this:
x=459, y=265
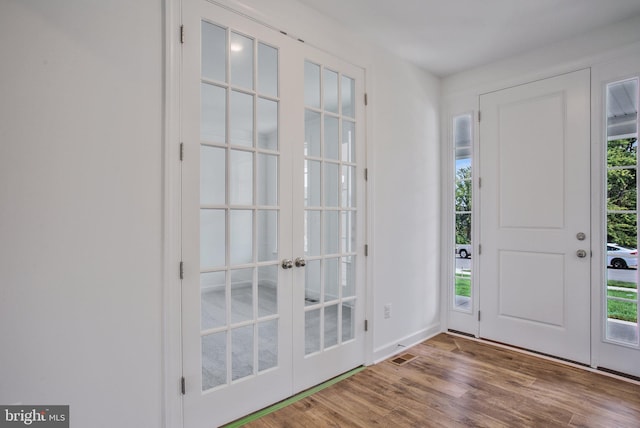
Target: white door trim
x=171, y=395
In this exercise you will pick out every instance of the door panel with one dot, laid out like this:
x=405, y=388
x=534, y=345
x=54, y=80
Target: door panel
x=535, y=199
x=236, y=216
x=329, y=290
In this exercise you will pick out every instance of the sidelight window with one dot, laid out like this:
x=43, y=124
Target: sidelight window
x=621, y=288
x=462, y=139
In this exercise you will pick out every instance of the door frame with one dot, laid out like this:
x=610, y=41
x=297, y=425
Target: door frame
x=171, y=350
x=171, y=395
x=466, y=100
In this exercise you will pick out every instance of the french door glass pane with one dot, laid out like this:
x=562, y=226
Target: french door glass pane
x=214, y=49
x=311, y=85
x=312, y=186
x=241, y=352
x=621, y=286
x=331, y=179
x=267, y=236
x=348, y=141
x=241, y=236
x=348, y=320
x=312, y=331
x=330, y=91
x=241, y=295
x=348, y=275
x=267, y=70
x=267, y=183
x=348, y=96
x=212, y=238
x=267, y=123
x=331, y=279
x=241, y=178
x=331, y=326
x=312, y=133
x=214, y=360
x=241, y=119
x=312, y=233
x=347, y=184
x=242, y=68
x=213, y=291
x=312, y=282
x=331, y=232
x=331, y=138
x=267, y=290
x=213, y=176
x=213, y=113
x=348, y=241
x=267, y=345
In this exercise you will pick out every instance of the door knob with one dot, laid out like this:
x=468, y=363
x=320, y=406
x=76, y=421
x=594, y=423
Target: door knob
x=581, y=253
x=287, y=264
x=581, y=236
x=300, y=262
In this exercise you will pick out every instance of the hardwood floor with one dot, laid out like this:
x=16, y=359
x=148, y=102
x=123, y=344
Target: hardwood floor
x=457, y=382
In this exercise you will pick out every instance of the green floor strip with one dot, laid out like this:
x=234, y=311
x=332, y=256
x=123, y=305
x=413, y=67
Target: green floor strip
x=304, y=394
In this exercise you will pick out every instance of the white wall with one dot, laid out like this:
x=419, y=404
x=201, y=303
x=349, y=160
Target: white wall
x=80, y=208
x=404, y=185
x=405, y=196
x=572, y=54
x=81, y=201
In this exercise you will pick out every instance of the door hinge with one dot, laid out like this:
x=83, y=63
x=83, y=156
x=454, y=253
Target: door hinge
x=181, y=270
x=479, y=182
x=479, y=249
x=181, y=151
x=182, y=34
x=479, y=115
x=366, y=325
x=183, y=385
x=478, y=316
x=366, y=99
x=366, y=250
x=366, y=174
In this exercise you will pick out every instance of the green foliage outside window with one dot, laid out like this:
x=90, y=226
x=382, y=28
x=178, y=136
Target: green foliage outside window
x=622, y=192
x=463, y=205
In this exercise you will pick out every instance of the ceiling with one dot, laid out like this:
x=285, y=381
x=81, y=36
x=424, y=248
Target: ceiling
x=449, y=36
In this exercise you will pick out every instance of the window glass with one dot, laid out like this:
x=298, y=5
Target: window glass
x=462, y=139
x=621, y=285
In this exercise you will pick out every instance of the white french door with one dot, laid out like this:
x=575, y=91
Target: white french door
x=535, y=216
x=272, y=218
x=329, y=221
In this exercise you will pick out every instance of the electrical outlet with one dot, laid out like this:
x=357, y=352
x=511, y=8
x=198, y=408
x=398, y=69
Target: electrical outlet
x=387, y=310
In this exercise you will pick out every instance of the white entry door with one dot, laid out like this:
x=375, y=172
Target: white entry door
x=272, y=225
x=535, y=216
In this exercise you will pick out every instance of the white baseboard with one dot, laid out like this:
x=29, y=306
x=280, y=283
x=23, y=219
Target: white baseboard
x=401, y=345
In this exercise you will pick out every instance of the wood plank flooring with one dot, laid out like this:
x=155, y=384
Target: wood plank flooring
x=457, y=382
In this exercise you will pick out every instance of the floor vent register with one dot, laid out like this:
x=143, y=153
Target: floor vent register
x=403, y=359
